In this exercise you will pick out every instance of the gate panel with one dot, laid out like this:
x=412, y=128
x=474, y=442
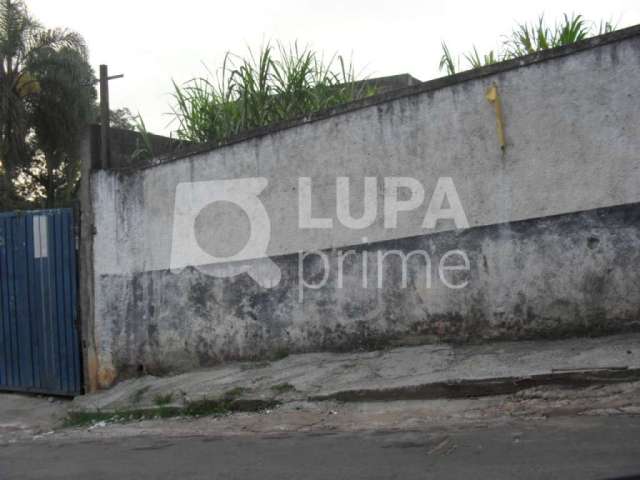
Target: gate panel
x=39, y=341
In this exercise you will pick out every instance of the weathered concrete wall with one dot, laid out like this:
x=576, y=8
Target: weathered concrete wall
x=573, y=274
x=572, y=127
x=573, y=136
x=128, y=148
x=124, y=145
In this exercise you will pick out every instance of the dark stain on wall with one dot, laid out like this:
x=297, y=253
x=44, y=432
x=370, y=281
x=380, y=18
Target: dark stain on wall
x=572, y=274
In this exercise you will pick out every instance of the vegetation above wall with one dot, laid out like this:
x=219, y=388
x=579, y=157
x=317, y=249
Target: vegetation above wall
x=47, y=96
x=273, y=85
x=527, y=38
x=286, y=82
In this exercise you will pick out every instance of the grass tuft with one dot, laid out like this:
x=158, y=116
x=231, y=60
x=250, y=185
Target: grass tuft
x=234, y=393
x=528, y=38
x=280, y=353
x=162, y=400
x=275, y=84
x=254, y=365
x=283, y=388
x=197, y=408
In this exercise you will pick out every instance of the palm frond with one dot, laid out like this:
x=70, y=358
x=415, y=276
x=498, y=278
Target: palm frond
x=56, y=39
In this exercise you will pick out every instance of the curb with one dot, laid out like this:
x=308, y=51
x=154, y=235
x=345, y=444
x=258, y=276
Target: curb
x=578, y=378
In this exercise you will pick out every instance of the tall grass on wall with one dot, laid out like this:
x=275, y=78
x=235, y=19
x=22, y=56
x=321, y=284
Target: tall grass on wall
x=275, y=84
x=527, y=38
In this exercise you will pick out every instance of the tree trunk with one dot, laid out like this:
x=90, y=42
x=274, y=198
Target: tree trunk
x=50, y=188
x=8, y=198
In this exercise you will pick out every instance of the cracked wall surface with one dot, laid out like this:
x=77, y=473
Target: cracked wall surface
x=552, y=244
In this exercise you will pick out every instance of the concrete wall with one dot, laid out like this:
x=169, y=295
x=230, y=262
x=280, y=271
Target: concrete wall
x=128, y=149
x=568, y=275
x=572, y=119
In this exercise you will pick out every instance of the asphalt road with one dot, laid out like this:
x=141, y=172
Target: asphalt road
x=584, y=448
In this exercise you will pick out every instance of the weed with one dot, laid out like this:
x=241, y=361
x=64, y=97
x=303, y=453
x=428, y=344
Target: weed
x=197, y=408
x=162, y=400
x=234, y=393
x=283, y=388
x=446, y=61
x=204, y=407
x=254, y=365
x=280, y=353
x=80, y=418
x=144, y=145
x=272, y=85
x=76, y=419
x=527, y=38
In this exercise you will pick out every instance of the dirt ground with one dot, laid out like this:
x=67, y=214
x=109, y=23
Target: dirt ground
x=40, y=418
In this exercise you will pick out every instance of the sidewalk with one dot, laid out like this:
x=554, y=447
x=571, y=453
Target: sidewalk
x=27, y=415
x=409, y=373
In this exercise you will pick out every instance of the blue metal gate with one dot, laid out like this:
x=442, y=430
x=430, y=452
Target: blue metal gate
x=39, y=341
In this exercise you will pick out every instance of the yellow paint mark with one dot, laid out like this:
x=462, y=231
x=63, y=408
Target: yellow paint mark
x=493, y=97
x=106, y=377
x=91, y=370
x=98, y=377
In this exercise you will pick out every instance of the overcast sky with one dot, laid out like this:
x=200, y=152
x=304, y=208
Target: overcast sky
x=155, y=41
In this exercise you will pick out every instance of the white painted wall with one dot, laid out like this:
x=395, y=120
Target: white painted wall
x=572, y=127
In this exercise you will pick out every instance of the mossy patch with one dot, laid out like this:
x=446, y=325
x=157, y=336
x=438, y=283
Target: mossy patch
x=80, y=418
x=234, y=393
x=254, y=365
x=283, y=388
x=280, y=353
x=197, y=408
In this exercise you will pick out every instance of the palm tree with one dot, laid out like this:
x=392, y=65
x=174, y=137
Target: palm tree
x=22, y=43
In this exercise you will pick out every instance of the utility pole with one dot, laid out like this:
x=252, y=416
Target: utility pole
x=104, y=115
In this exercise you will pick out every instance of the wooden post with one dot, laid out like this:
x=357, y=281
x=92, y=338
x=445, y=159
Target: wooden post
x=104, y=117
